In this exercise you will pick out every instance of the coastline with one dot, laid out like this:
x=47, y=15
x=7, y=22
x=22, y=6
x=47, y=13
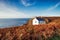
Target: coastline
x=26, y=31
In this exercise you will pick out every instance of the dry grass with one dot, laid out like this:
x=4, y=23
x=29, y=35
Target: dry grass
x=50, y=31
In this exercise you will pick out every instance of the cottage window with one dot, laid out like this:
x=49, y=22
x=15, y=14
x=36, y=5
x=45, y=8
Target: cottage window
x=35, y=21
x=42, y=22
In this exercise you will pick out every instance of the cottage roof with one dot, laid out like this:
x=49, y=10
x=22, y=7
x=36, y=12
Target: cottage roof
x=40, y=19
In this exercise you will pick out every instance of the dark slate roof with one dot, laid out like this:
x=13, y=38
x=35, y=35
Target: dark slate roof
x=40, y=19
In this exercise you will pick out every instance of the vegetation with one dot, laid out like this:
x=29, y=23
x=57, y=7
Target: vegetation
x=50, y=31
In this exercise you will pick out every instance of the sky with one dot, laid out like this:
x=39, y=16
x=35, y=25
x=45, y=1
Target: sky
x=29, y=8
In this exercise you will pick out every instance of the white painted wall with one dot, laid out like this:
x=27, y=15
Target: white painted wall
x=35, y=21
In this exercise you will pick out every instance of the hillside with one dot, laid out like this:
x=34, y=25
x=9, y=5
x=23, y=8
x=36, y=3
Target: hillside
x=50, y=31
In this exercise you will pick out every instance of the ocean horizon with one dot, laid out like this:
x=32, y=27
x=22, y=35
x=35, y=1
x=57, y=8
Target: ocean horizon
x=10, y=22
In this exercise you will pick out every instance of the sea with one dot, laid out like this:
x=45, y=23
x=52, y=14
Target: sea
x=11, y=22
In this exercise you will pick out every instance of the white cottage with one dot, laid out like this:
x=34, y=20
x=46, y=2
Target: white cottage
x=37, y=21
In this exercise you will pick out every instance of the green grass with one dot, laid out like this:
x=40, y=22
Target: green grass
x=55, y=37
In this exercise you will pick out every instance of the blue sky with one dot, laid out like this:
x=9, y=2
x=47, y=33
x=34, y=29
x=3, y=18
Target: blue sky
x=29, y=8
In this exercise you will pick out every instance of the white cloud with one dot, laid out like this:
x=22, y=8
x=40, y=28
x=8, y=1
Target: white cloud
x=26, y=4
x=53, y=7
x=50, y=12
x=10, y=12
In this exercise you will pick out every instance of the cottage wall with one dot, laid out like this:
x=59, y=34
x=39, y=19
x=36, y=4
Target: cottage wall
x=35, y=22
